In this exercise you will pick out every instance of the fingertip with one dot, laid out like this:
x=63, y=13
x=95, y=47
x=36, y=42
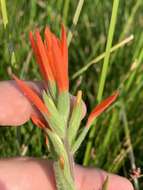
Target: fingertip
x=95, y=178
x=15, y=109
x=118, y=182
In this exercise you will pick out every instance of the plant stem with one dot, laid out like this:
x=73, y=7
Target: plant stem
x=70, y=158
x=129, y=144
x=65, y=180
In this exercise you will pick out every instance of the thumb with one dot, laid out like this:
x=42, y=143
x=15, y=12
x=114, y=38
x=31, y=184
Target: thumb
x=15, y=108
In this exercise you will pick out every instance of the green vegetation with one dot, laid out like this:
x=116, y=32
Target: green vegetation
x=115, y=142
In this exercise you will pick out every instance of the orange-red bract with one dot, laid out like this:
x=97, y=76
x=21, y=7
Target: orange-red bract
x=31, y=95
x=52, y=57
x=37, y=122
x=101, y=107
x=60, y=57
x=43, y=55
x=37, y=55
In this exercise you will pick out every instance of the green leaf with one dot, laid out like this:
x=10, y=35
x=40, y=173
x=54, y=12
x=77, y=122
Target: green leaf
x=64, y=105
x=52, y=90
x=55, y=120
x=80, y=139
x=57, y=143
x=75, y=120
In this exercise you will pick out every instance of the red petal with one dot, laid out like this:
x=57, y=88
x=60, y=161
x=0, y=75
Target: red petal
x=61, y=75
x=44, y=57
x=51, y=61
x=31, y=95
x=64, y=49
x=48, y=42
x=48, y=38
x=37, y=122
x=37, y=55
x=101, y=107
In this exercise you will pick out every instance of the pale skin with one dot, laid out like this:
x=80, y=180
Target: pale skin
x=34, y=174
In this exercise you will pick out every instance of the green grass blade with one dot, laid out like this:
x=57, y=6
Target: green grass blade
x=75, y=19
x=101, y=56
x=4, y=12
x=103, y=73
x=108, y=48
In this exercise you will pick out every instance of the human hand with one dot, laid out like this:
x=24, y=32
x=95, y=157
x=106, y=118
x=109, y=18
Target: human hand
x=35, y=174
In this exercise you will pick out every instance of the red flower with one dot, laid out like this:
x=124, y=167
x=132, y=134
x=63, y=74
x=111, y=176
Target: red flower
x=31, y=95
x=52, y=57
x=38, y=122
x=101, y=107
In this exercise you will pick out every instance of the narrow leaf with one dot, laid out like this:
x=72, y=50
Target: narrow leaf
x=80, y=139
x=37, y=122
x=57, y=144
x=75, y=119
x=64, y=105
x=56, y=121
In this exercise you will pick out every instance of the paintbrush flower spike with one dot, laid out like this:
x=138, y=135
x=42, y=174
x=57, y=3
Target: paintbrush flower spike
x=58, y=118
x=52, y=58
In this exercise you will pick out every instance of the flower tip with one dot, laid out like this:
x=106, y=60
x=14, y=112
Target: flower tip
x=48, y=36
x=63, y=31
x=31, y=38
x=63, y=26
x=30, y=34
x=37, y=34
x=37, y=122
x=116, y=94
x=62, y=162
x=47, y=30
x=79, y=96
x=101, y=108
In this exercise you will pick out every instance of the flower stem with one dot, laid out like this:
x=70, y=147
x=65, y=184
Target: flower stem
x=65, y=176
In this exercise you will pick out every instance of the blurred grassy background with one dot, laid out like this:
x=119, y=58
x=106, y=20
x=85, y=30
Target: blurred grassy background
x=117, y=142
